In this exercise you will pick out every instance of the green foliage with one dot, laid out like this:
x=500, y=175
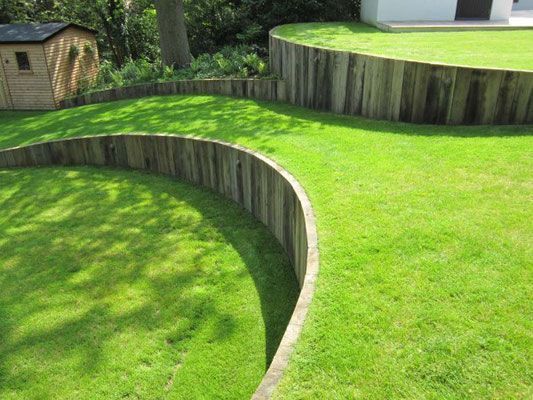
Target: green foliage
x=213, y=24
x=142, y=31
x=131, y=31
x=238, y=62
x=88, y=49
x=73, y=52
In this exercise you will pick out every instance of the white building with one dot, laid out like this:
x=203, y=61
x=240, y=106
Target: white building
x=520, y=5
x=373, y=11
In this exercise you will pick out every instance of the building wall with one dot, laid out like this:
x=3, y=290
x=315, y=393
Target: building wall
x=67, y=74
x=523, y=5
x=416, y=10
x=369, y=11
x=29, y=90
x=424, y=10
x=501, y=10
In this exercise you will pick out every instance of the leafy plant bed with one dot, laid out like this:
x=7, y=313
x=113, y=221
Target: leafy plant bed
x=229, y=62
x=424, y=232
x=122, y=284
x=496, y=49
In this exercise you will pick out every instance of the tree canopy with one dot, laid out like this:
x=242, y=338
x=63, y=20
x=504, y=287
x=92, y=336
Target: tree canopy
x=128, y=29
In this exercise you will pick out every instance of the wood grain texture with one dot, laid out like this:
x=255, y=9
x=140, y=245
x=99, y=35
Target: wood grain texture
x=259, y=185
x=400, y=90
x=28, y=90
x=259, y=89
x=66, y=74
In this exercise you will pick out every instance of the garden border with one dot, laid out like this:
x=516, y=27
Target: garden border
x=394, y=89
x=260, y=89
x=258, y=184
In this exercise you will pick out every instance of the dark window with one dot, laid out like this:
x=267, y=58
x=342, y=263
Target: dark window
x=23, y=61
x=474, y=9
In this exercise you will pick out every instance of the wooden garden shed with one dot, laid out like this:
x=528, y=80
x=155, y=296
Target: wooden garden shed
x=41, y=64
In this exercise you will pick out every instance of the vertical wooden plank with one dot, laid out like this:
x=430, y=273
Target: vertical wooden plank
x=361, y=62
x=368, y=86
x=460, y=94
x=312, y=67
x=339, y=81
x=324, y=82
x=408, y=91
x=489, y=99
x=420, y=96
x=445, y=94
x=475, y=96
x=506, y=94
x=383, y=100
x=349, y=103
x=303, y=58
x=520, y=111
x=121, y=153
x=431, y=109
x=396, y=90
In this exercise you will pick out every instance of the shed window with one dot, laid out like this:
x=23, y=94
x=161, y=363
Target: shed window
x=23, y=61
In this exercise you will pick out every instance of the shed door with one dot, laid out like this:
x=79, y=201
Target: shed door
x=473, y=9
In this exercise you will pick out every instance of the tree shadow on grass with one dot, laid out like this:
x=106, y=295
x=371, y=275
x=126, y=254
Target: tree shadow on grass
x=98, y=259
x=212, y=116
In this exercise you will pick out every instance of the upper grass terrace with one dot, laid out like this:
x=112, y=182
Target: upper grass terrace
x=424, y=233
x=489, y=49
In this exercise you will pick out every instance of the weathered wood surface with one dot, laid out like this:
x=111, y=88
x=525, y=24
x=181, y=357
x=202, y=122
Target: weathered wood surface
x=398, y=90
x=259, y=89
x=258, y=184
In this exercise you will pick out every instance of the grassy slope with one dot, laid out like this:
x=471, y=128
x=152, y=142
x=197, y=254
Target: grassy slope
x=117, y=284
x=425, y=239
x=498, y=49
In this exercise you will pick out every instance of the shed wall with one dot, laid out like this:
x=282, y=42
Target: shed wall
x=29, y=90
x=5, y=99
x=67, y=74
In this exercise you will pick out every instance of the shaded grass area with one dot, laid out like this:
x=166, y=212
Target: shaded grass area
x=497, y=49
x=118, y=284
x=424, y=233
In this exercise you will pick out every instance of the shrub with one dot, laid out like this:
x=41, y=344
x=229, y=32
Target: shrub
x=88, y=49
x=73, y=52
x=237, y=62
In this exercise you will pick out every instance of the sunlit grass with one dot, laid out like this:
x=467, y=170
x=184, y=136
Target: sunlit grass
x=124, y=285
x=498, y=49
x=424, y=231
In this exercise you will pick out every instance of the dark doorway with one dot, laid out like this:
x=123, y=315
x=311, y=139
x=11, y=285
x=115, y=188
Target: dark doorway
x=473, y=9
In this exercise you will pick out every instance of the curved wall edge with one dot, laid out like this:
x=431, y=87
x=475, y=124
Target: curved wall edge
x=259, y=89
x=391, y=89
x=258, y=184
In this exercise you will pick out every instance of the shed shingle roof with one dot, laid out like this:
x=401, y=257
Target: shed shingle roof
x=34, y=33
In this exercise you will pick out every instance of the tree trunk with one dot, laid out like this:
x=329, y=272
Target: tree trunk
x=173, y=39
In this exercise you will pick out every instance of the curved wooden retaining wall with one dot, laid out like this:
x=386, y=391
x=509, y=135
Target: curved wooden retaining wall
x=398, y=90
x=260, y=89
x=258, y=184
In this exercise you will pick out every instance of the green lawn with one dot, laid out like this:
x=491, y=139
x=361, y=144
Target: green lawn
x=425, y=232
x=118, y=284
x=498, y=49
